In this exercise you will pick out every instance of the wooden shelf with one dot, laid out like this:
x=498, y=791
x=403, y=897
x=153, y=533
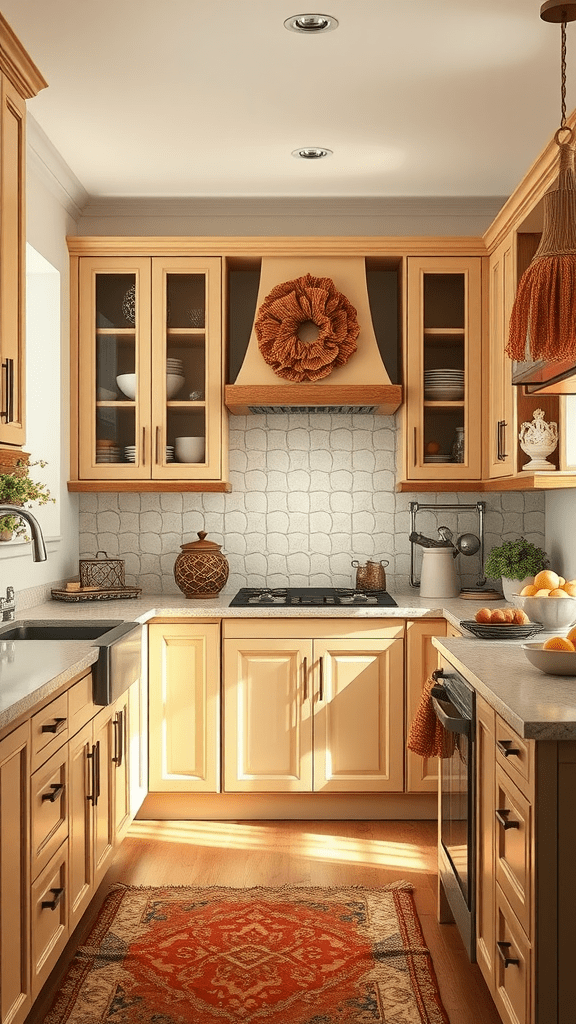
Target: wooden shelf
x=521, y=482
x=152, y=486
x=239, y=398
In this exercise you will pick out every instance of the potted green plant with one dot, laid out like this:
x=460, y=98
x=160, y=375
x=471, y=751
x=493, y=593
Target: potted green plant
x=17, y=488
x=516, y=563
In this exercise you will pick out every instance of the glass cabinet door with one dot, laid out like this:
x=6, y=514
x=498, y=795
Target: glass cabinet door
x=186, y=368
x=114, y=374
x=443, y=369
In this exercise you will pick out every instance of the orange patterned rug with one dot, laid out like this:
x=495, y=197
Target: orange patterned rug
x=253, y=956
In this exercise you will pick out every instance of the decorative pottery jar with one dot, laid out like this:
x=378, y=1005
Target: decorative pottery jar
x=538, y=439
x=201, y=570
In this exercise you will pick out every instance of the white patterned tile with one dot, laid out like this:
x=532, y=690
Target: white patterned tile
x=256, y=501
x=277, y=522
x=277, y=501
x=298, y=501
x=150, y=543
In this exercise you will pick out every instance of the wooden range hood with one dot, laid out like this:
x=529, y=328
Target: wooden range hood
x=361, y=385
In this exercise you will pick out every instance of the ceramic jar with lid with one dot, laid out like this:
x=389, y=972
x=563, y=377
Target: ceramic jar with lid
x=201, y=570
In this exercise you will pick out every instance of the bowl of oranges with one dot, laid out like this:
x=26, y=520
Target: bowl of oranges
x=555, y=656
x=550, y=599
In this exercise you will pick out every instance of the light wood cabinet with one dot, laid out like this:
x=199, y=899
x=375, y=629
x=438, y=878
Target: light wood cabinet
x=422, y=658
x=318, y=707
x=184, y=702
x=443, y=368
x=19, y=80
x=15, y=990
x=147, y=373
x=499, y=436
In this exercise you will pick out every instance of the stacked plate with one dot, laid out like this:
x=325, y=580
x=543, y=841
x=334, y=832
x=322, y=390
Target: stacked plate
x=444, y=385
x=130, y=453
x=169, y=453
x=175, y=366
x=437, y=458
x=107, y=451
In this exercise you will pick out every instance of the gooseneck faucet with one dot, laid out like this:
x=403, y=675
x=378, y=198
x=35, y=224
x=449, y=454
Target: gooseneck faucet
x=38, y=546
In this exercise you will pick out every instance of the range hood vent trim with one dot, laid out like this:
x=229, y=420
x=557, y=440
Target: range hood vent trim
x=343, y=410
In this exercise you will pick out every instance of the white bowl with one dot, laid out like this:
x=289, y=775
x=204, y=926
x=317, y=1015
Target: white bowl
x=127, y=384
x=190, y=449
x=174, y=382
x=553, y=663
x=555, y=613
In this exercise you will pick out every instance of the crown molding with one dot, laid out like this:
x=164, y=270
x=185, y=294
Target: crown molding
x=17, y=64
x=44, y=159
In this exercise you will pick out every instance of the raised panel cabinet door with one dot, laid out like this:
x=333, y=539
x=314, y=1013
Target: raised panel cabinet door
x=103, y=802
x=267, y=716
x=514, y=862
x=120, y=755
x=137, y=740
x=485, y=841
x=184, y=702
x=49, y=917
x=421, y=660
x=14, y=877
x=500, y=433
x=81, y=787
x=358, y=715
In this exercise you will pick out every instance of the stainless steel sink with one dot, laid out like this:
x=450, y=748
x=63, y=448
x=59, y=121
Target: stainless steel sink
x=119, y=646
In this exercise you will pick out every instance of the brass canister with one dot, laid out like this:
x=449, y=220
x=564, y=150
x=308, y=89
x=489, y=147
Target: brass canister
x=371, y=575
x=201, y=570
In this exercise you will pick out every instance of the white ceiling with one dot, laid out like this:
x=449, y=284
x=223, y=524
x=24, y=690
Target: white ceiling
x=210, y=97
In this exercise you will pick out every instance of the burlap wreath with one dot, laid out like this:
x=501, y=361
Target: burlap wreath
x=293, y=303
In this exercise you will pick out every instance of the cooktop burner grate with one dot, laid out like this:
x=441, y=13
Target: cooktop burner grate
x=314, y=597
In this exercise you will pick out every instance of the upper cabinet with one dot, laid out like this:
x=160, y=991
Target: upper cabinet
x=443, y=363
x=147, y=400
x=500, y=406
x=19, y=80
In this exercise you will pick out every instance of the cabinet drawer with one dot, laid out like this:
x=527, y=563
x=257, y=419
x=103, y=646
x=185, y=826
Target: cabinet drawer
x=515, y=755
x=49, y=808
x=513, y=831
x=81, y=707
x=49, y=729
x=311, y=629
x=513, y=959
x=49, y=913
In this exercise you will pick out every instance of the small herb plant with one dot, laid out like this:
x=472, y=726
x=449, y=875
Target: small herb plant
x=18, y=489
x=515, y=559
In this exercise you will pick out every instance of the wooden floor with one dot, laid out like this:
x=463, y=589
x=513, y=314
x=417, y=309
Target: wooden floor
x=273, y=853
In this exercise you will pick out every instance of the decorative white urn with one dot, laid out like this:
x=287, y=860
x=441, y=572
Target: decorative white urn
x=538, y=439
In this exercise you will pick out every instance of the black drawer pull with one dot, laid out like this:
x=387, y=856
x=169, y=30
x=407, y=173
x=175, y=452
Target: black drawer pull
x=52, y=904
x=57, y=726
x=508, y=961
x=505, y=747
x=57, y=789
x=504, y=821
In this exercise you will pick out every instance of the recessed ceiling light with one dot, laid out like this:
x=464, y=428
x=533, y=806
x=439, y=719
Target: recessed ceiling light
x=311, y=152
x=311, y=23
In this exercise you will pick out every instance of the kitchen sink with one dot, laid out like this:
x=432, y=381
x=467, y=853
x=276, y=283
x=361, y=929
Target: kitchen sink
x=57, y=630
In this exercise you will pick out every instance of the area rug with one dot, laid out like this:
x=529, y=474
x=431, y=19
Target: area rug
x=253, y=956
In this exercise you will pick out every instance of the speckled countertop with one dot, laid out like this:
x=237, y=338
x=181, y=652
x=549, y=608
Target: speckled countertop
x=538, y=706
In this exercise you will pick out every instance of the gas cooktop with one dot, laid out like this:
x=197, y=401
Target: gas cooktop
x=314, y=597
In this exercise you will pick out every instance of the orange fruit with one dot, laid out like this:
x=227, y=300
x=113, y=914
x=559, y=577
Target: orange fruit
x=542, y=593
x=558, y=643
x=562, y=581
x=572, y=635
x=558, y=593
x=547, y=579
x=570, y=589
x=528, y=591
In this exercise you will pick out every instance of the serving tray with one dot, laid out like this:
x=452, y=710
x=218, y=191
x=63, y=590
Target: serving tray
x=501, y=630
x=118, y=594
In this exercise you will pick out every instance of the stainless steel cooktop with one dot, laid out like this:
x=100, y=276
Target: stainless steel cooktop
x=314, y=597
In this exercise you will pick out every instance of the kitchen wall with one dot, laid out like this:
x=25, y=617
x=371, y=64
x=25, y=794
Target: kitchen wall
x=309, y=494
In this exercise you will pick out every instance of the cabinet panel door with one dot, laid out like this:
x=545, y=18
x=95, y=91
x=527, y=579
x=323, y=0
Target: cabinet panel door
x=12, y=264
x=485, y=841
x=267, y=716
x=49, y=917
x=14, y=875
x=120, y=727
x=359, y=715
x=184, y=701
x=104, y=807
x=514, y=847
x=500, y=434
x=49, y=809
x=80, y=823
x=421, y=660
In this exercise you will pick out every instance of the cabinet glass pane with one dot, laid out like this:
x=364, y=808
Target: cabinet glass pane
x=185, y=368
x=186, y=434
x=444, y=300
x=115, y=377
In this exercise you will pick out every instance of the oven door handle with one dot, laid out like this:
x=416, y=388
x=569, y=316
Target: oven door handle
x=442, y=707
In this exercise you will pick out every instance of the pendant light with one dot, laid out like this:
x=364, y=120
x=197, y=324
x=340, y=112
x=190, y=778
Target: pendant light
x=543, y=320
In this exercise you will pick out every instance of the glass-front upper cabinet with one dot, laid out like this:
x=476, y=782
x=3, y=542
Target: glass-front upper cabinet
x=443, y=369
x=149, y=369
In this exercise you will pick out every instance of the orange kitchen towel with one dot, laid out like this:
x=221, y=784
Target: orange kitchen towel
x=427, y=736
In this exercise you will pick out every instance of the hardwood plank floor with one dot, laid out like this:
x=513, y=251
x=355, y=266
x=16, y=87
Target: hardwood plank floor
x=274, y=853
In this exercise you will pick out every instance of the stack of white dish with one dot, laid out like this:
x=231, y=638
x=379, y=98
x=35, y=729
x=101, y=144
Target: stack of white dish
x=169, y=453
x=130, y=453
x=174, y=376
x=444, y=385
x=437, y=458
x=107, y=451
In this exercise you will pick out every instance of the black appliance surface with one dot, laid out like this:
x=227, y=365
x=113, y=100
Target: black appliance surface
x=313, y=597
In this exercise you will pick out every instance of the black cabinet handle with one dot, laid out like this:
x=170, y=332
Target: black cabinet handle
x=57, y=788
x=93, y=796
x=504, y=821
x=118, y=724
x=506, y=749
x=321, y=694
x=508, y=961
x=8, y=412
x=501, y=454
x=56, y=726
x=97, y=764
x=305, y=671
x=52, y=904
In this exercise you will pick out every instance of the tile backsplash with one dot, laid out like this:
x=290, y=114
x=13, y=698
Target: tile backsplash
x=310, y=493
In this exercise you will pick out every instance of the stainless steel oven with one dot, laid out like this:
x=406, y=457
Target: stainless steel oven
x=454, y=703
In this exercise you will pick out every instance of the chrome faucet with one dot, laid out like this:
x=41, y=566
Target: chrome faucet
x=38, y=546
x=8, y=606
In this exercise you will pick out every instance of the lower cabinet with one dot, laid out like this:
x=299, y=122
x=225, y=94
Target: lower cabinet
x=317, y=707
x=422, y=658
x=15, y=982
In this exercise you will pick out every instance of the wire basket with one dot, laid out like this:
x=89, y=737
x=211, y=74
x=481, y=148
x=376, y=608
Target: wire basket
x=105, y=573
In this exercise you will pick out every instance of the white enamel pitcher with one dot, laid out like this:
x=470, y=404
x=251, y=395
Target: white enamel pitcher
x=438, y=577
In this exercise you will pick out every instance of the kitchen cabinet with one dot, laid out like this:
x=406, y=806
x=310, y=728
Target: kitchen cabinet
x=443, y=369
x=184, y=706
x=501, y=431
x=313, y=706
x=147, y=373
x=19, y=80
x=15, y=990
x=422, y=659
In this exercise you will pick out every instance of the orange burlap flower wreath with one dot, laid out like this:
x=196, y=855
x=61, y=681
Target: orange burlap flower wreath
x=286, y=308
